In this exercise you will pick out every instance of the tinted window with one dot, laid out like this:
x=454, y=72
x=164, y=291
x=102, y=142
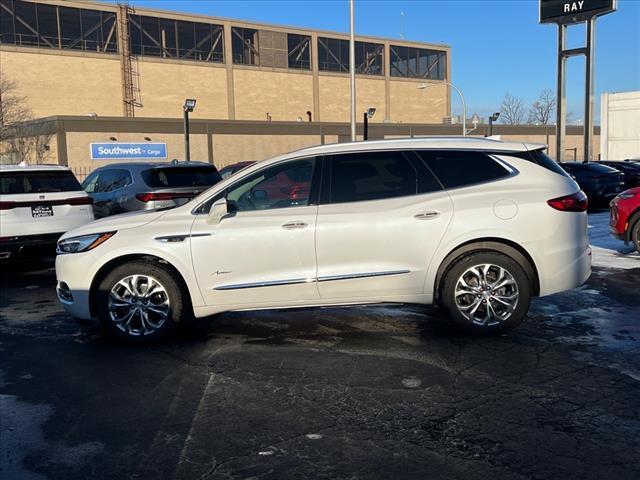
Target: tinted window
x=540, y=158
x=459, y=169
x=38, y=182
x=122, y=179
x=280, y=186
x=359, y=177
x=175, y=177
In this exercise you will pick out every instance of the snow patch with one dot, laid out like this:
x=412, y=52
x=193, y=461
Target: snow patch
x=608, y=251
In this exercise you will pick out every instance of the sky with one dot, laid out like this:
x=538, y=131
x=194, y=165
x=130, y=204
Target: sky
x=498, y=46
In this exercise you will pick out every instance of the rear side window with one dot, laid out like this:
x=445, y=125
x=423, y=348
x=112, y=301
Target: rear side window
x=460, y=169
x=540, y=158
x=176, y=177
x=38, y=182
x=363, y=176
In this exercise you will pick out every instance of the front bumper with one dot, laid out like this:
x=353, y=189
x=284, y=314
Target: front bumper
x=74, y=284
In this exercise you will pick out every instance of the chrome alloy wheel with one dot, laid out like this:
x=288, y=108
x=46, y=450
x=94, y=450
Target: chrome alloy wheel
x=138, y=305
x=486, y=294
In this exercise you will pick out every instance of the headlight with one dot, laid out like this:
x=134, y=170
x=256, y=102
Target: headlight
x=83, y=243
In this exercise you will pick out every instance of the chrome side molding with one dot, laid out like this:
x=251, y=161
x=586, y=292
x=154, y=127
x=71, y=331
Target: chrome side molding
x=180, y=238
x=296, y=281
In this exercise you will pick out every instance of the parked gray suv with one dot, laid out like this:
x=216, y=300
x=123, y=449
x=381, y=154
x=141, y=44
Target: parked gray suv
x=125, y=187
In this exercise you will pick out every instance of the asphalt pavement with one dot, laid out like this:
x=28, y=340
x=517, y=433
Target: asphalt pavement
x=380, y=392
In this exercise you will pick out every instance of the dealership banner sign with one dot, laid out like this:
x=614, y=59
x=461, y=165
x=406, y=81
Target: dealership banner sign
x=128, y=151
x=574, y=11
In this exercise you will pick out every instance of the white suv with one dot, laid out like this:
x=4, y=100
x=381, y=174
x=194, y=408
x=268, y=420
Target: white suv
x=476, y=225
x=37, y=205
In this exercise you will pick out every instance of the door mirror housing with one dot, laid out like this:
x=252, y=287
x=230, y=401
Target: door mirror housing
x=218, y=211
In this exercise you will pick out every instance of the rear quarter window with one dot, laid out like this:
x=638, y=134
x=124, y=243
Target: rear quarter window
x=539, y=158
x=176, y=177
x=461, y=169
x=12, y=183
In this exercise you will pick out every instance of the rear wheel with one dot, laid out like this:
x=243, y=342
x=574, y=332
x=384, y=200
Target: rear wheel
x=141, y=302
x=486, y=293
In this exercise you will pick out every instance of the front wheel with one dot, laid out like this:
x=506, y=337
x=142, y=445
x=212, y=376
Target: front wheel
x=141, y=302
x=635, y=235
x=486, y=293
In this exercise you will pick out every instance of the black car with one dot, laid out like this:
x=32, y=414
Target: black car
x=630, y=170
x=599, y=182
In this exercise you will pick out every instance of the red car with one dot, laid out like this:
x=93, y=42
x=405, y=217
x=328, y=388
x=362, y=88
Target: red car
x=625, y=217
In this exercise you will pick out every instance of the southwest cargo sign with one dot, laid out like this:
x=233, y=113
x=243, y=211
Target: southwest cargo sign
x=128, y=151
x=573, y=11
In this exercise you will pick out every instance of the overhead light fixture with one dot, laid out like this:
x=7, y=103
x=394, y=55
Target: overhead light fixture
x=189, y=104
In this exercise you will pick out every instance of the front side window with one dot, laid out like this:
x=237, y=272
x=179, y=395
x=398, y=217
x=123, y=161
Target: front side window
x=281, y=186
x=364, y=176
x=463, y=168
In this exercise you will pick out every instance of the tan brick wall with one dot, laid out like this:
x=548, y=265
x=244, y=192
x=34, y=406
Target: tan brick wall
x=164, y=86
x=54, y=84
x=286, y=96
x=334, y=92
x=410, y=105
x=228, y=149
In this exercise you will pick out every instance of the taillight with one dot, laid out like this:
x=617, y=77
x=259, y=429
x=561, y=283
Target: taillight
x=576, y=202
x=7, y=205
x=79, y=201
x=154, y=196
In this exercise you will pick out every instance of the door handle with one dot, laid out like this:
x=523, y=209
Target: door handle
x=294, y=225
x=427, y=215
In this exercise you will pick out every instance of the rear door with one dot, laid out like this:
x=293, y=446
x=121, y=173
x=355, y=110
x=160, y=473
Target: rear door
x=381, y=218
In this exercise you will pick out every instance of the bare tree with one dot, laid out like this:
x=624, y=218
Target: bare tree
x=542, y=109
x=512, y=110
x=13, y=108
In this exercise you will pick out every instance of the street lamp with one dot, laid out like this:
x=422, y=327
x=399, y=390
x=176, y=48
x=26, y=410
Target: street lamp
x=189, y=105
x=367, y=115
x=464, y=106
x=492, y=119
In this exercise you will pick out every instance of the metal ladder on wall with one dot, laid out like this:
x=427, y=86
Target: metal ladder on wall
x=130, y=77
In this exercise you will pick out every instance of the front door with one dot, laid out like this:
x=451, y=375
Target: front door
x=381, y=218
x=263, y=252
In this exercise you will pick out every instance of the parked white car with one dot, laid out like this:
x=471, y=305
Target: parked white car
x=479, y=226
x=37, y=205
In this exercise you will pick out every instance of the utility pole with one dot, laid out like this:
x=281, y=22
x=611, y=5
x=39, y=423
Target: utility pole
x=352, y=70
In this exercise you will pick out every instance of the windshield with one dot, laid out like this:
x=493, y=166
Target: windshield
x=175, y=177
x=38, y=182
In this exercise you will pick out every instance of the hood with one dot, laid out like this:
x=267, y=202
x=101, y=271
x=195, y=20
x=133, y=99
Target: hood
x=123, y=221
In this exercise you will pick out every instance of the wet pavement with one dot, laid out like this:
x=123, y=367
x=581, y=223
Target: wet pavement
x=375, y=392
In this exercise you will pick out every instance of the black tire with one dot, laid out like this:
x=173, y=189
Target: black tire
x=460, y=267
x=158, y=325
x=635, y=235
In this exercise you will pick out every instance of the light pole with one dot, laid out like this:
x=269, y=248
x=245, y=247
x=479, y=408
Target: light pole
x=352, y=70
x=189, y=105
x=367, y=115
x=492, y=119
x=464, y=106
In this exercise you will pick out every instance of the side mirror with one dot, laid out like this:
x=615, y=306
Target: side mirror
x=218, y=210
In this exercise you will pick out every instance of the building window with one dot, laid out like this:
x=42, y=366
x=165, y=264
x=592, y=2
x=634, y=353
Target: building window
x=166, y=38
x=418, y=63
x=333, y=56
x=36, y=25
x=299, y=51
x=245, y=46
x=369, y=58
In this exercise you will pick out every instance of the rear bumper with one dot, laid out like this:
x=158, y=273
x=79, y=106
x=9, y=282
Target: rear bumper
x=10, y=246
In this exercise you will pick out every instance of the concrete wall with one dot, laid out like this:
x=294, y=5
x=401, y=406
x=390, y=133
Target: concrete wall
x=620, y=121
